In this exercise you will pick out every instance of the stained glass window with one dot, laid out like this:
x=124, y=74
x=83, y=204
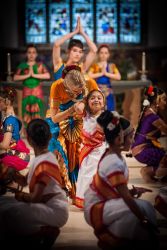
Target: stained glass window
x=35, y=23
x=130, y=21
x=84, y=9
x=59, y=19
x=106, y=20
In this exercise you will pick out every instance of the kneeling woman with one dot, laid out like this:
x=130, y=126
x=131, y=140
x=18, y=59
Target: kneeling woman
x=45, y=206
x=146, y=147
x=110, y=208
x=14, y=155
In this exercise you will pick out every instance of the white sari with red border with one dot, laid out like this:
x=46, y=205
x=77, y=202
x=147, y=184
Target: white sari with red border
x=27, y=218
x=92, y=149
x=104, y=208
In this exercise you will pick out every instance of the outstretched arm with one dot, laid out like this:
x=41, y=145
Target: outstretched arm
x=58, y=116
x=56, y=56
x=92, y=47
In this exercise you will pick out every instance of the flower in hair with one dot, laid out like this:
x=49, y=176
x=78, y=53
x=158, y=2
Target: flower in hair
x=150, y=91
x=116, y=114
x=69, y=68
x=146, y=103
x=114, y=122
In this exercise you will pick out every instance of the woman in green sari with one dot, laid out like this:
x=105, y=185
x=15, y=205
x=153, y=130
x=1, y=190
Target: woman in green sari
x=31, y=73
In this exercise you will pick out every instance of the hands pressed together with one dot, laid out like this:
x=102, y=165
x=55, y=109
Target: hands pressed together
x=79, y=28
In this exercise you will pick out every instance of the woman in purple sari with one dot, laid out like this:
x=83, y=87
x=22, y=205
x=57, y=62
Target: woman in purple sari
x=146, y=147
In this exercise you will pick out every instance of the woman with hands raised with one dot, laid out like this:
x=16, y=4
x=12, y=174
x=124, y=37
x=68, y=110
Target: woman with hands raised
x=75, y=51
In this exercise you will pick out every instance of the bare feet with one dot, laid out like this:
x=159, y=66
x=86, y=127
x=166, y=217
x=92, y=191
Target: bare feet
x=148, y=174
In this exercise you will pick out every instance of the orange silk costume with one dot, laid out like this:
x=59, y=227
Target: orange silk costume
x=70, y=128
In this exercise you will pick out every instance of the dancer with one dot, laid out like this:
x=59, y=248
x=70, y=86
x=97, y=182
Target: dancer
x=104, y=72
x=93, y=144
x=75, y=51
x=146, y=147
x=75, y=54
x=42, y=211
x=117, y=218
x=31, y=73
x=67, y=105
x=14, y=154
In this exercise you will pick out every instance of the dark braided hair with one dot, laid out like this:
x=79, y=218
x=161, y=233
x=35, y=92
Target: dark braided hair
x=151, y=93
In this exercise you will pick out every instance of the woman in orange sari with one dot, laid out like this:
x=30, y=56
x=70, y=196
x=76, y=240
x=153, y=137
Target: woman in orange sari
x=66, y=108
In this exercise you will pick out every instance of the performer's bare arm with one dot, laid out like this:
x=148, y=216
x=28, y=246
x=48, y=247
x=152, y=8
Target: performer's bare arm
x=92, y=47
x=56, y=55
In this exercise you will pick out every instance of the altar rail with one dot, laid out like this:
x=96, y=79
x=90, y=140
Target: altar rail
x=131, y=104
x=118, y=86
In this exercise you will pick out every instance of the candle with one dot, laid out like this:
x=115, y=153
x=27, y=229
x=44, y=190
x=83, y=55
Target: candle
x=8, y=63
x=143, y=61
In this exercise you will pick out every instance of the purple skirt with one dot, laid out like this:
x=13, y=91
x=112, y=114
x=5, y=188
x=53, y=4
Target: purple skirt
x=151, y=156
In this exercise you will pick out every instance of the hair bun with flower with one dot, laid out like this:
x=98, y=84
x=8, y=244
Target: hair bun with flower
x=69, y=68
x=114, y=122
x=146, y=103
x=150, y=91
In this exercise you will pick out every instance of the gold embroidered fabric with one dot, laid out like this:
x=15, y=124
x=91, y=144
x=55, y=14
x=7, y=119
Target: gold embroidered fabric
x=71, y=133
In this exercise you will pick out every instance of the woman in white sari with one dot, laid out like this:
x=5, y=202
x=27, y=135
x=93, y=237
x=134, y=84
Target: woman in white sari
x=45, y=206
x=118, y=219
x=93, y=144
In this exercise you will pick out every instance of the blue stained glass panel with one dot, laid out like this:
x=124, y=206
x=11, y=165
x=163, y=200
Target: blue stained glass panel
x=84, y=9
x=106, y=21
x=35, y=21
x=59, y=19
x=130, y=24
